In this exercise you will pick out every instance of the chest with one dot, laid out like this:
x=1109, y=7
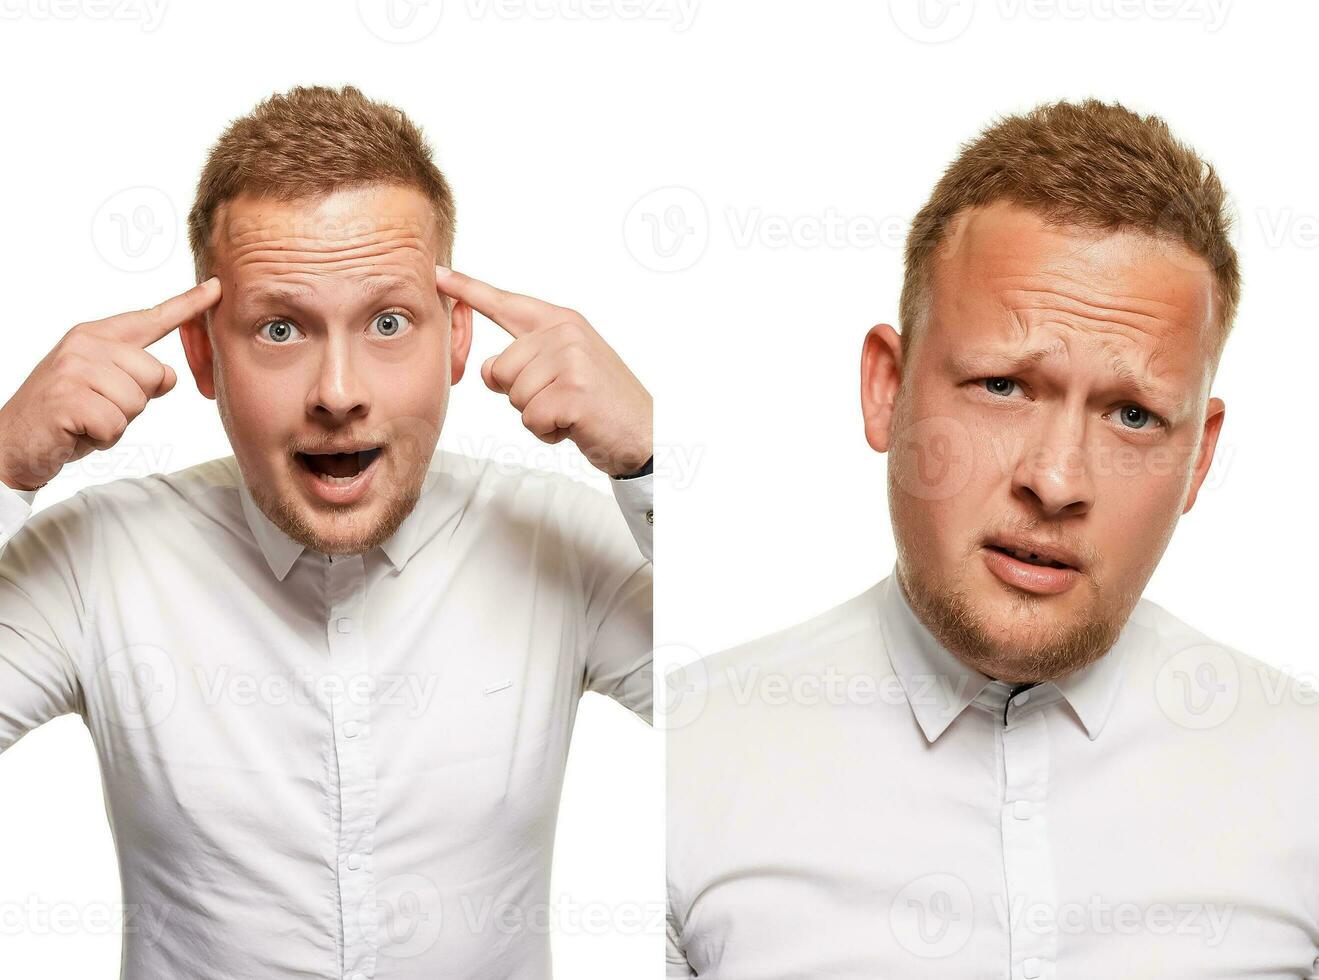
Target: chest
x=1019, y=853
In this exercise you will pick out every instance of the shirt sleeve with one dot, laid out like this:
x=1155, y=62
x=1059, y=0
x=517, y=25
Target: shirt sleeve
x=618, y=585
x=15, y=508
x=43, y=605
x=636, y=498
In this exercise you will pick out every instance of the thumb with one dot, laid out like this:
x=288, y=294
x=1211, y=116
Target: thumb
x=488, y=376
x=167, y=382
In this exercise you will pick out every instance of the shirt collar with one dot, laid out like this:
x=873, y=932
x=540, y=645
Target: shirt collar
x=939, y=686
x=281, y=551
x=1092, y=691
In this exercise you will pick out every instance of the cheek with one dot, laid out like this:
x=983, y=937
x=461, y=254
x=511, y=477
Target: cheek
x=1138, y=498
x=945, y=460
x=417, y=388
x=262, y=404
x=412, y=407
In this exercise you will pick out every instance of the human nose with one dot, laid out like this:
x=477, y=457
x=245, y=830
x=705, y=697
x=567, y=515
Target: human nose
x=1055, y=475
x=339, y=393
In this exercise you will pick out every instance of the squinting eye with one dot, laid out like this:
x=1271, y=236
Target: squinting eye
x=279, y=331
x=1000, y=386
x=1134, y=417
x=390, y=324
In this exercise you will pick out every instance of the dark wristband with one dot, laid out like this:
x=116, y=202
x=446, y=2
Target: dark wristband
x=646, y=470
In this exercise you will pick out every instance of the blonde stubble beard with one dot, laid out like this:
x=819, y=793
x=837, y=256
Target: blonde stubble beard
x=289, y=518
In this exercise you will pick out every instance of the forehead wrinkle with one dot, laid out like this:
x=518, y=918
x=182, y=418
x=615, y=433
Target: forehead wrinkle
x=1137, y=314
x=1126, y=372
x=313, y=227
x=311, y=253
x=272, y=267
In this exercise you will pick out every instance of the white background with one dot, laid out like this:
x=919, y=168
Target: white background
x=722, y=187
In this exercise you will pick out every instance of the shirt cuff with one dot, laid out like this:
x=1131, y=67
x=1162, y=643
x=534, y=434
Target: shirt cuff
x=636, y=498
x=15, y=509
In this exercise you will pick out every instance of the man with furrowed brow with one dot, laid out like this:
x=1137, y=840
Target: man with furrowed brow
x=1004, y=762
x=419, y=625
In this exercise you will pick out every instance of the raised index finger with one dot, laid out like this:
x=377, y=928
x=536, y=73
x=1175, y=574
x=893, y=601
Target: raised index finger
x=144, y=327
x=516, y=313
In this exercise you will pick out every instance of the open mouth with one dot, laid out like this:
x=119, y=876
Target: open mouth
x=339, y=468
x=1029, y=557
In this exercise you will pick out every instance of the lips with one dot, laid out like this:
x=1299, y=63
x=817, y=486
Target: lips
x=1033, y=555
x=339, y=467
x=338, y=476
x=1032, y=566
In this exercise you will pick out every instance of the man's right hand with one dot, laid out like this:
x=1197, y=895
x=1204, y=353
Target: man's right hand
x=84, y=393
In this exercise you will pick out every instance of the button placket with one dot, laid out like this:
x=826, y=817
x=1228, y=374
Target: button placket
x=1031, y=906
x=350, y=718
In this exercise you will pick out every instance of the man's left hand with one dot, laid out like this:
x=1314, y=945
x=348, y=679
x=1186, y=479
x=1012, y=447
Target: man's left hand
x=561, y=375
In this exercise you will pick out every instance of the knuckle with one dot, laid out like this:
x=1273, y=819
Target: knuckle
x=69, y=363
x=572, y=327
x=77, y=339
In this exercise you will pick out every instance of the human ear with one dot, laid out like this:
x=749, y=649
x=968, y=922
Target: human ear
x=201, y=356
x=460, y=340
x=1214, y=415
x=881, y=373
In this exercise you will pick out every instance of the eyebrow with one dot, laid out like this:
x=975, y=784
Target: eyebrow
x=370, y=288
x=988, y=359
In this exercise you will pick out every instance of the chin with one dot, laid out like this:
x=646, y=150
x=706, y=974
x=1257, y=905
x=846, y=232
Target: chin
x=1008, y=634
x=342, y=530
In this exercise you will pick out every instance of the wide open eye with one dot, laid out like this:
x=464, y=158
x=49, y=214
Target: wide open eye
x=390, y=324
x=280, y=331
x=1000, y=386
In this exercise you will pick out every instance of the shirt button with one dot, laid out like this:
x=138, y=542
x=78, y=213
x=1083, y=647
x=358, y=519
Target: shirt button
x=345, y=625
x=1032, y=968
x=350, y=729
x=1021, y=809
x=354, y=862
x=650, y=517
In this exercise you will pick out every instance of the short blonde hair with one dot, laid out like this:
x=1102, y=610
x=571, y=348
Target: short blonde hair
x=1089, y=164
x=309, y=142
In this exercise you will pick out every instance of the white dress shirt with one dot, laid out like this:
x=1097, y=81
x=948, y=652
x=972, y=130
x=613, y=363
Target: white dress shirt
x=318, y=768
x=848, y=800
